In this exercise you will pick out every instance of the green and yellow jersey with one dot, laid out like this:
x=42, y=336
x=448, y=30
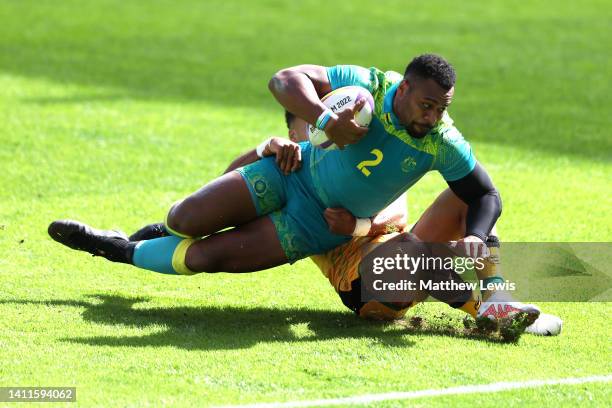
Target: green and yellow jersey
x=365, y=177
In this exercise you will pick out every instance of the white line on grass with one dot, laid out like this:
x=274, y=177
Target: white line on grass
x=464, y=389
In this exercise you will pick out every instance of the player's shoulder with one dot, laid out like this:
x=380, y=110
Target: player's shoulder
x=453, y=156
x=350, y=75
x=384, y=80
x=446, y=132
x=373, y=79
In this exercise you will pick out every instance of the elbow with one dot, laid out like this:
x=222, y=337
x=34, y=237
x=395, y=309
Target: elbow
x=497, y=201
x=273, y=83
x=279, y=81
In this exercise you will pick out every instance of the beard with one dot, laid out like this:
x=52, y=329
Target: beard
x=418, y=131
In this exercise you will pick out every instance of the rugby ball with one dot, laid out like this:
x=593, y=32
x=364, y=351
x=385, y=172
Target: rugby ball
x=337, y=101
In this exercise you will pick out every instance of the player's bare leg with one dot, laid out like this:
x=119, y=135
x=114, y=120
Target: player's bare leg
x=219, y=204
x=444, y=219
x=224, y=202
x=250, y=247
x=297, y=132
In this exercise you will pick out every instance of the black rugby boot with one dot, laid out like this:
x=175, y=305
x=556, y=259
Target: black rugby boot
x=112, y=245
x=150, y=231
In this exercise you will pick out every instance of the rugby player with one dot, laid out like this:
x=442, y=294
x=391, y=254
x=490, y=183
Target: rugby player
x=443, y=221
x=279, y=217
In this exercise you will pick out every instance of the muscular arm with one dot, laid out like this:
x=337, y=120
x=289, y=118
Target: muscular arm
x=299, y=89
x=483, y=201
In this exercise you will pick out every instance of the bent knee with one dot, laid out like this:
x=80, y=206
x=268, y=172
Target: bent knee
x=182, y=219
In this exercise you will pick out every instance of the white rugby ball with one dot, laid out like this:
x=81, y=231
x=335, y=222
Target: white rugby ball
x=337, y=101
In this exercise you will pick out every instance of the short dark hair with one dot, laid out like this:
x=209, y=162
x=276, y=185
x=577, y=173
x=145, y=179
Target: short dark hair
x=289, y=117
x=432, y=66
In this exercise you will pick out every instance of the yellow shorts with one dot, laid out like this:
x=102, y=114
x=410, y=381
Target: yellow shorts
x=341, y=267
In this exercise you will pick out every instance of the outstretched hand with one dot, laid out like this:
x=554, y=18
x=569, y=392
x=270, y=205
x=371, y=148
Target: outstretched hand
x=345, y=130
x=288, y=154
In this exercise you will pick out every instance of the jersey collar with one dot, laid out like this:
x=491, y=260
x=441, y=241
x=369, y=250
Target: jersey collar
x=388, y=106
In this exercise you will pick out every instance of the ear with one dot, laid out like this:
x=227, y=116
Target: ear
x=403, y=86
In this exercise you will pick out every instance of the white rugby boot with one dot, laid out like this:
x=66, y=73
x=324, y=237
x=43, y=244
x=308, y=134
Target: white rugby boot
x=545, y=325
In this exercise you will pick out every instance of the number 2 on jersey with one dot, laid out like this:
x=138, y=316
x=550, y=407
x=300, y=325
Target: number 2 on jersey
x=363, y=166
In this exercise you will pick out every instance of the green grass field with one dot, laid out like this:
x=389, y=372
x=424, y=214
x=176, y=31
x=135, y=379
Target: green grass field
x=111, y=110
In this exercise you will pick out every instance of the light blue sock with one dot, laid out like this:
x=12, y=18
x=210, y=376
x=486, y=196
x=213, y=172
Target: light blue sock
x=156, y=254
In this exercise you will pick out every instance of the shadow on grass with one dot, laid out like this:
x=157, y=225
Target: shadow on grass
x=220, y=328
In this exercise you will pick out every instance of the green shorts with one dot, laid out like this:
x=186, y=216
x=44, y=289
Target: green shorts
x=292, y=205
